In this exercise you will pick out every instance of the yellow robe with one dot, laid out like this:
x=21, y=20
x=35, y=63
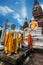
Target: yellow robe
x=20, y=38
x=29, y=40
x=8, y=42
x=11, y=44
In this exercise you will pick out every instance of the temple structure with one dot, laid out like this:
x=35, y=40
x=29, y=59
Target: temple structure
x=37, y=34
x=38, y=14
x=25, y=25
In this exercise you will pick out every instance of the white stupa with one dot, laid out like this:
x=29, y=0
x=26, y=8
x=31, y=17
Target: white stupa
x=37, y=36
x=32, y=19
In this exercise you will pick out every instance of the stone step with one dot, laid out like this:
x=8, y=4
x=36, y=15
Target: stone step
x=38, y=43
x=36, y=31
x=40, y=37
x=39, y=27
x=35, y=38
x=33, y=34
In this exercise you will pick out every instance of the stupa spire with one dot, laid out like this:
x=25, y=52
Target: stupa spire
x=36, y=2
x=25, y=23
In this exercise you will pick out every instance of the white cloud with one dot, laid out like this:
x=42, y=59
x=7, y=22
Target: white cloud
x=5, y=10
x=24, y=13
x=18, y=18
x=42, y=6
x=17, y=3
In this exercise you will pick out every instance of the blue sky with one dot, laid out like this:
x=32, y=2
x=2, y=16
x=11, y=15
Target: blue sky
x=16, y=10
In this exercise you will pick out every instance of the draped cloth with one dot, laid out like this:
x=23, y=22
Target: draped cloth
x=33, y=25
x=29, y=40
x=8, y=42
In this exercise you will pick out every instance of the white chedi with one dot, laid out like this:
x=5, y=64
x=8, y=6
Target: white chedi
x=32, y=19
